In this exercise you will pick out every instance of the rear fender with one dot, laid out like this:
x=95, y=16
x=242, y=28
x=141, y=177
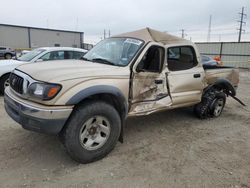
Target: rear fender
x=223, y=84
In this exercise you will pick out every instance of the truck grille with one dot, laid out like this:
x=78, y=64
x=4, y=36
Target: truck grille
x=16, y=83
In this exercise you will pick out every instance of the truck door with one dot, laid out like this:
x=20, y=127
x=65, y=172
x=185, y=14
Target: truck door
x=186, y=76
x=149, y=91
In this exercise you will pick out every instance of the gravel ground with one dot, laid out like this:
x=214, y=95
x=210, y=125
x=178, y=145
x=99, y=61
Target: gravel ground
x=168, y=149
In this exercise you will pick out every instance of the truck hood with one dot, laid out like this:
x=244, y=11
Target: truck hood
x=63, y=70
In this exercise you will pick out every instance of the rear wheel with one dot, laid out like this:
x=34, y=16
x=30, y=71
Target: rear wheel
x=212, y=104
x=4, y=82
x=92, y=131
x=218, y=105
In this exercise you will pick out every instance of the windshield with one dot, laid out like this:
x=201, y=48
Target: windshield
x=114, y=51
x=30, y=55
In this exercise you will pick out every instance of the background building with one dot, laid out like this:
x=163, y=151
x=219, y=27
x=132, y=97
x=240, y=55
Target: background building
x=22, y=37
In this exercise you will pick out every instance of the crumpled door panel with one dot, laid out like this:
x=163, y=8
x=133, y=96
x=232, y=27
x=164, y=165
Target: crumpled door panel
x=146, y=108
x=149, y=93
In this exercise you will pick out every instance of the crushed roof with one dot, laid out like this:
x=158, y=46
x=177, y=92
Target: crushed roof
x=148, y=35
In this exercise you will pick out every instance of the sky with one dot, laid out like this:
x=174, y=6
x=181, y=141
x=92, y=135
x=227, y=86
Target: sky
x=119, y=16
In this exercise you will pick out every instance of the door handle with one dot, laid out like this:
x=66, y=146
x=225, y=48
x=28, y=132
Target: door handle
x=197, y=75
x=158, y=81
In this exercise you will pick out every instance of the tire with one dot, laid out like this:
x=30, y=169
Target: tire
x=208, y=107
x=218, y=105
x=84, y=128
x=7, y=56
x=3, y=83
x=201, y=110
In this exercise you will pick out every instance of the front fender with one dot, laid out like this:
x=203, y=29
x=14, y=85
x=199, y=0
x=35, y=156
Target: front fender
x=100, y=89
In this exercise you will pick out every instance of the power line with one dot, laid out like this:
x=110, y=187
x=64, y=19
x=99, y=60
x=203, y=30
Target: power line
x=242, y=17
x=200, y=30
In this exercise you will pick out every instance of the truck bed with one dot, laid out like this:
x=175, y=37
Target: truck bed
x=215, y=72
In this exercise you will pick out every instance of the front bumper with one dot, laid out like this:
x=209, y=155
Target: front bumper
x=35, y=117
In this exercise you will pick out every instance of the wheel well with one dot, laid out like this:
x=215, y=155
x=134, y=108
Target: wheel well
x=110, y=99
x=224, y=85
x=7, y=54
x=6, y=74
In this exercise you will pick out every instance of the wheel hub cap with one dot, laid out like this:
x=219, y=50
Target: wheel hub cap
x=218, y=107
x=94, y=133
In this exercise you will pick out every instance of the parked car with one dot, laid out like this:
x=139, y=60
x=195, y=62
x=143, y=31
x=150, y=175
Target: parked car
x=24, y=52
x=206, y=60
x=86, y=102
x=7, y=52
x=37, y=55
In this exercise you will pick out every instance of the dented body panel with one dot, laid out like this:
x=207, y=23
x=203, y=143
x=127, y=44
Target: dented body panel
x=231, y=74
x=184, y=87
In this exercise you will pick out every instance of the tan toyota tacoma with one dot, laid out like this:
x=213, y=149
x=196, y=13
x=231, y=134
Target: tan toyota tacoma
x=86, y=101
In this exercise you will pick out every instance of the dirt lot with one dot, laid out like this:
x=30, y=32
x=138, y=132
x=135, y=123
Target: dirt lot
x=168, y=149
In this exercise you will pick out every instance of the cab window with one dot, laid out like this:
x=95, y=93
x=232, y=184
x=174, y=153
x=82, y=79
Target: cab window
x=152, y=61
x=181, y=58
x=78, y=55
x=68, y=55
x=57, y=55
x=51, y=56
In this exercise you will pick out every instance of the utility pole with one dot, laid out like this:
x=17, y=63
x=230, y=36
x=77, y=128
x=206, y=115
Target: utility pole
x=108, y=33
x=104, y=34
x=47, y=21
x=183, y=33
x=209, y=29
x=241, y=21
x=76, y=24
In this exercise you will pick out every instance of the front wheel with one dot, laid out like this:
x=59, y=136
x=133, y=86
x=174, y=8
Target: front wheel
x=92, y=131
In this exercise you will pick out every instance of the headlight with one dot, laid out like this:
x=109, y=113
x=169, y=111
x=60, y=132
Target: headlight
x=44, y=91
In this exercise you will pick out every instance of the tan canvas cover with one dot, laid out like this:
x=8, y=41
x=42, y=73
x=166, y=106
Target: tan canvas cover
x=148, y=35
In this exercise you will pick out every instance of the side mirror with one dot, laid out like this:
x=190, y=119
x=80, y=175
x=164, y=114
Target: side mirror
x=140, y=67
x=39, y=60
x=140, y=70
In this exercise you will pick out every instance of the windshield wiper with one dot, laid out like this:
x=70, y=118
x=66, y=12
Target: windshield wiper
x=18, y=59
x=85, y=59
x=104, y=61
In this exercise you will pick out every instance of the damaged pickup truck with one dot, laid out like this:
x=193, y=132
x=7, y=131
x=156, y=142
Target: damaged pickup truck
x=86, y=101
